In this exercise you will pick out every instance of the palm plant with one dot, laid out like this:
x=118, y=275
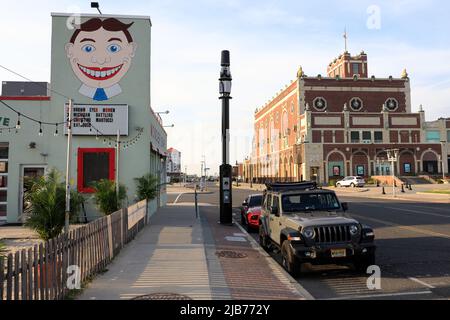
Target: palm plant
x=106, y=196
x=2, y=249
x=146, y=187
x=46, y=197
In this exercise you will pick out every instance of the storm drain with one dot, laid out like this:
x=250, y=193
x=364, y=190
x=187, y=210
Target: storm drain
x=231, y=254
x=162, y=296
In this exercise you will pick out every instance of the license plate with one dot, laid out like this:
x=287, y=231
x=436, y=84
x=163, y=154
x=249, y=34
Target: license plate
x=338, y=253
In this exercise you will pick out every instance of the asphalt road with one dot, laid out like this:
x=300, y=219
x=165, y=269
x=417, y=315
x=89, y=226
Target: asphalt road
x=413, y=250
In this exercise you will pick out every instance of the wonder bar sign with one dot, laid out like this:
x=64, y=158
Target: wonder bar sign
x=98, y=119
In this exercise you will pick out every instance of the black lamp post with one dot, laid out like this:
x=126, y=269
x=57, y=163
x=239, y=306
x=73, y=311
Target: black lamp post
x=226, y=205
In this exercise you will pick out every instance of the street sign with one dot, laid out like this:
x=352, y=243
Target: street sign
x=226, y=183
x=106, y=118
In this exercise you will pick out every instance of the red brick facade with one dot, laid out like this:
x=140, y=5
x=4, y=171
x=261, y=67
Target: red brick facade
x=320, y=128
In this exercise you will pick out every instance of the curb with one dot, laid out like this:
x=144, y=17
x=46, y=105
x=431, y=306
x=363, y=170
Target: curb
x=351, y=190
x=435, y=194
x=421, y=200
x=275, y=265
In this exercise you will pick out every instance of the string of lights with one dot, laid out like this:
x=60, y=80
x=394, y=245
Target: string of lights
x=106, y=138
x=122, y=143
x=35, y=83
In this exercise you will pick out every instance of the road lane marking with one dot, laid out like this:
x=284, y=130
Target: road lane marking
x=410, y=210
x=421, y=212
x=432, y=208
x=178, y=197
x=409, y=228
x=422, y=283
x=382, y=295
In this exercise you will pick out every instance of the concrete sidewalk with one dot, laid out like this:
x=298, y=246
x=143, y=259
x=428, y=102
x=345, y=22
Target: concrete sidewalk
x=168, y=256
x=177, y=189
x=180, y=254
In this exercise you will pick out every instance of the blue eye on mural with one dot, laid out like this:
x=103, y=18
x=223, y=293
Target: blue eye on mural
x=88, y=48
x=113, y=48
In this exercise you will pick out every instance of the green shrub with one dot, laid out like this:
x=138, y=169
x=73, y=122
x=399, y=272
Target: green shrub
x=146, y=187
x=106, y=196
x=332, y=182
x=46, y=197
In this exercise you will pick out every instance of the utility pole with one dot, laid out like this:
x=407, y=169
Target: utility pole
x=117, y=167
x=226, y=205
x=442, y=160
x=392, y=155
x=68, y=158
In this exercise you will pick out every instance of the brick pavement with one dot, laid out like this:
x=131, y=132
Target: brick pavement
x=257, y=276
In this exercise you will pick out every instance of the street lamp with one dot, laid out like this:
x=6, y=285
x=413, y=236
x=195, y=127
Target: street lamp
x=237, y=174
x=442, y=160
x=163, y=112
x=226, y=205
x=169, y=126
x=96, y=6
x=392, y=155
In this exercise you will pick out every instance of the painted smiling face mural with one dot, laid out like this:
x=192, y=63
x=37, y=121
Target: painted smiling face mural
x=100, y=53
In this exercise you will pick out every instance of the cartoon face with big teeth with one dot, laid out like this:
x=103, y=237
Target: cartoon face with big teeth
x=100, y=53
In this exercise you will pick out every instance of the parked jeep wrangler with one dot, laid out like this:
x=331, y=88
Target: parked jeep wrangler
x=310, y=225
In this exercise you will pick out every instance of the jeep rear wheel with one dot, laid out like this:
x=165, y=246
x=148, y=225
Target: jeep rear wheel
x=248, y=228
x=242, y=220
x=263, y=239
x=352, y=185
x=289, y=262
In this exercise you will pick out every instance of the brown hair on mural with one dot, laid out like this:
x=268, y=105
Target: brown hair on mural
x=110, y=24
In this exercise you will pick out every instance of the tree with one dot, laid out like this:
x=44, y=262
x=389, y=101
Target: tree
x=106, y=196
x=46, y=197
x=146, y=187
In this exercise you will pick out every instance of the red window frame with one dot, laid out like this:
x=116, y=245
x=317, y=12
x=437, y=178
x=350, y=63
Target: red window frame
x=80, y=175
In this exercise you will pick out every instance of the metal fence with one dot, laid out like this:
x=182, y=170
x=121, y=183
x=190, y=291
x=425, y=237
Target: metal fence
x=43, y=271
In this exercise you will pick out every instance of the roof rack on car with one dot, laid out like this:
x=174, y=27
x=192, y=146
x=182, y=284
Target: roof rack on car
x=286, y=186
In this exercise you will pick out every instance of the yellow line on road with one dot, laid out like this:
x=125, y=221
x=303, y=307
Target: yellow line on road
x=409, y=228
x=421, y=212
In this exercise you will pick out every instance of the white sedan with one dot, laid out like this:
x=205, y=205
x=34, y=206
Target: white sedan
x=353, y=182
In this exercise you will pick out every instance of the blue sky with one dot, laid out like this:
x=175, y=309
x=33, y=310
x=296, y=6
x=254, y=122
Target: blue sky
x=268, y=40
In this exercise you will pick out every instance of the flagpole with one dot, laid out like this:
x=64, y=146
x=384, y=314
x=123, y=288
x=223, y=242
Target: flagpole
x=345, y=39
x=69, y=155
x=117, y=166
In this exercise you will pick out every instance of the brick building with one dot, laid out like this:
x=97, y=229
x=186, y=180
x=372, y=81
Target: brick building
x=321, y=128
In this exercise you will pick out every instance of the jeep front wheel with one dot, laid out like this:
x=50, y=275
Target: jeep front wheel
x=361, y=264
x=289, y=262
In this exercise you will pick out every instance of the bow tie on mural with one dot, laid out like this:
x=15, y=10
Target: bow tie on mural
x=100, y=95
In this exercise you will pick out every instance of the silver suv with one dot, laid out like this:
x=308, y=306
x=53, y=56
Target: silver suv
x=352, y=181
x=310, y=225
